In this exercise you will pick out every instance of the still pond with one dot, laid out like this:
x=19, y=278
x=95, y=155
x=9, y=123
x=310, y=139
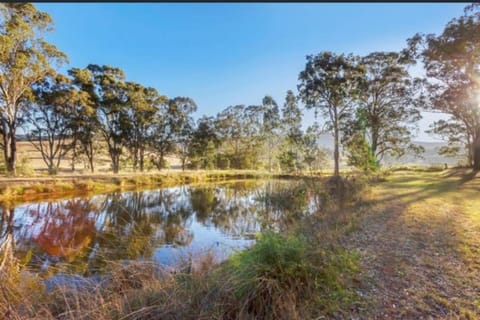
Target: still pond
x=167, y=225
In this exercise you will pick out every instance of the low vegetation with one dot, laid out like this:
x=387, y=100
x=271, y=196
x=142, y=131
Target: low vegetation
x=403, y=246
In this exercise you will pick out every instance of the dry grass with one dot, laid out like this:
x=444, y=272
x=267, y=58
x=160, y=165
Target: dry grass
x=36, y=188
x=420, y=247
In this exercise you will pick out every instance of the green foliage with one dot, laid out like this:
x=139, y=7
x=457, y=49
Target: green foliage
x=25, y=59
x=360, y=154
x=49, y=118
x=240, y=135
x=283, y=277
x=387, y=112
x=329, y=83
x=143, y=105
x=171, y=124
x=451, y=61
x=288, y=160
x=272, y=270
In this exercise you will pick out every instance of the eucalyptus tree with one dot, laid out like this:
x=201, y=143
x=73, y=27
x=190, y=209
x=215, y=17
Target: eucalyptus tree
x=291, y=123
x=387, y=111
x=25, y=59
x=291, y=117
x=184, y=140
x=48, y=120
x=83, y=120
x=170, y=121
x=271, y=127
x=314, y=156
x=144, y=103
x=107, y=90
x=203, y=137
x=452, y=63
x=229, y=127
x=238, y=129
x=329, y=83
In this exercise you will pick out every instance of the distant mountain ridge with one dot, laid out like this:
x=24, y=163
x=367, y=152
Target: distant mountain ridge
x=429, y=157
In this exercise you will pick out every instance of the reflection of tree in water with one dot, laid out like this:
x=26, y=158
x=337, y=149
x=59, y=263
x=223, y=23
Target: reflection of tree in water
x=228, y=208
x=81, y=235
x=64, y=230
x=59, y=231
x=7, y=243
x=136, y=223
x=85, y=233
x=280, y=204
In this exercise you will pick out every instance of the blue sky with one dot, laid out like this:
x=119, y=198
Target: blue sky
x=232, y=53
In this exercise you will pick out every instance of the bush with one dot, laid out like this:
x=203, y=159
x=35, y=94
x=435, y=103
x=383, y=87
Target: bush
x=273, y=277
x=23, y=167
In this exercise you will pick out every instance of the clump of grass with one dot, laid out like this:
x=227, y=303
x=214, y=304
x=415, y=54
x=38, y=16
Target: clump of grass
x=286, y=277
x=24, y=168
x=273, y=277
x=278, y=278
x=87, y=185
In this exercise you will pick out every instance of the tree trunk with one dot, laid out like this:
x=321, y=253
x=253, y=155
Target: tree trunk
x=135, y=160
x=115, y=163
x=90, y=160
x=74, y=156
x=11, y=151
x=160, y=161
x=476, y=154
x=142, y=159
x=336, y=152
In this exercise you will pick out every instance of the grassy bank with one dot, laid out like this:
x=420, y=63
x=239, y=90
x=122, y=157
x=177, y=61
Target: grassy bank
x=420, y=246
x=37, y=188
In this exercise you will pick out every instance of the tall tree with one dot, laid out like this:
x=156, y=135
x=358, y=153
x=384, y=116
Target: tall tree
x=291, y=123
x=387, y=112
x=184, y=140
x=169, y=123
x=230, y=128
x=452, y=62
x=107, y=89
x=83, y=118
x=291, y=117
x=271, y=127
x=48, y=119
x=239, y=130
x=144, y=103
x=204, y=135
x=314, y=156
x=25, y=59
x=329, y=84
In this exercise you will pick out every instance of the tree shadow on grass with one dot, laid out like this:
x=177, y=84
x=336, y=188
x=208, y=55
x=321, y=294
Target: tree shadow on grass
x=420, y=249
x=464, y=176
x=436, y=187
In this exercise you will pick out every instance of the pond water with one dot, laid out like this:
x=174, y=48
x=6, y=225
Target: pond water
x=81, y=235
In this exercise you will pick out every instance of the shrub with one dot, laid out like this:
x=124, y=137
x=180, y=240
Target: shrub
x=273, y=277
x=24, y=168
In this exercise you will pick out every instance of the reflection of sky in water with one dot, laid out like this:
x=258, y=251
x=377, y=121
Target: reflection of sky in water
x=205, y=239
x=166, y=225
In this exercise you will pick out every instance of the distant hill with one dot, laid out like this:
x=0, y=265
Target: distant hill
x=429, y=157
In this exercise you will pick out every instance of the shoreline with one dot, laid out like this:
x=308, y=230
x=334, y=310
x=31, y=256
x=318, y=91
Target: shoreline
x=21, y=189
